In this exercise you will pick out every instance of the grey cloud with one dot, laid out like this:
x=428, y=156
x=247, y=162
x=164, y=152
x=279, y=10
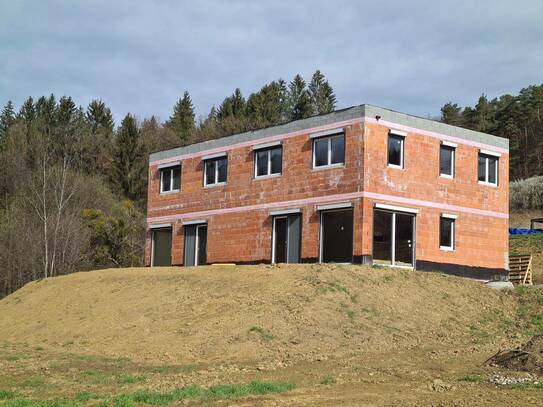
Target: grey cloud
x=140, y=56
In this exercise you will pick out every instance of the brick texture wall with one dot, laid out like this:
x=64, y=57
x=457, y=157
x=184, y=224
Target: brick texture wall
x=244, y=236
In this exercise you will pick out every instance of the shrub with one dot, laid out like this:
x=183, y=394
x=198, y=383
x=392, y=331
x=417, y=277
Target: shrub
x=526, y=193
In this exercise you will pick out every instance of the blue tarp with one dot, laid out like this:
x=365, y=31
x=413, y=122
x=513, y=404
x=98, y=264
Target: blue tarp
x=521, y=231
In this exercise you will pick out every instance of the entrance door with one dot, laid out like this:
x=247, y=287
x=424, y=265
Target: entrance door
x=337, y=236
x=162, y=247
x=195, y=245
x=286, y=239
x=393, y=238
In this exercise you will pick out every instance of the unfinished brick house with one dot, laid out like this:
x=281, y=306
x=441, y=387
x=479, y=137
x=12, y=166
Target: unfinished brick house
x=359, y=185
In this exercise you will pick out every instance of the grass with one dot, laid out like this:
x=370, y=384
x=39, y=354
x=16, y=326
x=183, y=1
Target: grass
x=152, y=397
x=34, y=381
x=530, y=308
x=6, y=395
x=129, y=378
x=260, y=331
x=328, y=380
x=220, y=391
x=94, y=376
x=472, y=378
x=528, y=386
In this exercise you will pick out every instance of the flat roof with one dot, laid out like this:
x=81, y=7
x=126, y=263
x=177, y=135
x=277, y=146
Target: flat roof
x=341, y=115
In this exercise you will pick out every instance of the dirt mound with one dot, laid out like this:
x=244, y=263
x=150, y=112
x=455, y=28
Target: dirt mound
x=276, y=315
x=527, y=358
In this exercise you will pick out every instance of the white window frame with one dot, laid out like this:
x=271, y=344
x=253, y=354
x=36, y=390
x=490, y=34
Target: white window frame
x=452, y=218
x=268, y=171
x=329, y=152
x=170, y=169
x=215, y=160
x=487, y=174
x=397, y=134
x=452, y=148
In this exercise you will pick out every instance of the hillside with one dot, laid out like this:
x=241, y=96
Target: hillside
x=325, y=329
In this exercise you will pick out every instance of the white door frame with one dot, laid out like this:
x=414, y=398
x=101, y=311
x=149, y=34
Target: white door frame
x=196, y=243
x=393, y=237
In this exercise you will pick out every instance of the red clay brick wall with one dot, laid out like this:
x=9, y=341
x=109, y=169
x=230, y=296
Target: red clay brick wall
x=480, y=240
x=298, y=181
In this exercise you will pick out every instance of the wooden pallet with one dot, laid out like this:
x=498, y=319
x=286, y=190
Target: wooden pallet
x=520, y=269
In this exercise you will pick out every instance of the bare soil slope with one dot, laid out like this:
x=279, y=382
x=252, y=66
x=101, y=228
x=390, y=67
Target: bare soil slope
x=276, y=315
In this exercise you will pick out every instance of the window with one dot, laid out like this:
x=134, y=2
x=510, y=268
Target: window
x=329, y=151
x=446, y=232
x=395, y=150
x=487, y=169
x=170, y=179
x=268, y=161
x=446, y=161
x=215, y=171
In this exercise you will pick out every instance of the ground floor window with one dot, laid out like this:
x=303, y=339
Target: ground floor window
x=336, y=245
x=393, y=238
x=161, y=250
x=446, y=232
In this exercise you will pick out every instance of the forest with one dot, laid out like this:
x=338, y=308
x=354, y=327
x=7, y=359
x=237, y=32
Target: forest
x=74, y=183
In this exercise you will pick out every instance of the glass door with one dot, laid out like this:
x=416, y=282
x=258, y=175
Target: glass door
x=393, y=238
x=280, y=239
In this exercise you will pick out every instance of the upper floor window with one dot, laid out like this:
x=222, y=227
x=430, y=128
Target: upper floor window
x=447, y=152
x=329, y=151
x=215, y=170
x=396, y=144
x=170, y=179
x=268, y=161
x=487, y=168
x=446, y=231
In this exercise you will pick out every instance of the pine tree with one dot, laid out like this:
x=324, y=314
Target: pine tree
x=182, y=119
x=233, y=106
x=266, y=107
x=7, y=119
x=451, y=114
x=299, y=99
x=128, y=160
x=323, y=98
x=99, y=116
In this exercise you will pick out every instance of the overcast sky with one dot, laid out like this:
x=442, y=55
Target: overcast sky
x=139, y=56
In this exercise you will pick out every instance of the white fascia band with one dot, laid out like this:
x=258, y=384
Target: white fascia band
x=397, y=132
x=340, y=205
x=194, y=222
x=489, y=152
x=396, y=208
x=211, y=156
x=448, y=144
x=160, y=226
x=267, y=145
x=285, y=211
x=327, y=133
x=168, y=165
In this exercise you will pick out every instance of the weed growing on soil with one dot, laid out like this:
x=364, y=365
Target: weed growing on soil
x=263, y=334
x=128, y=378
x=328, y=380
x=6, y=395
x=34, y=381
x=473, y=378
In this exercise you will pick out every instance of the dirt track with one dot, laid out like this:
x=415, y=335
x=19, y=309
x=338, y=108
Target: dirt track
x=383, y=335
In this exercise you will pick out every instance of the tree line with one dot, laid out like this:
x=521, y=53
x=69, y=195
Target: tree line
x=518, y=118
x=73, y=188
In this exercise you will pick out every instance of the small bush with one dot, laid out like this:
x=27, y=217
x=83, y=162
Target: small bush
x=526, y=193
x=328, y=380
x=473, y=378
